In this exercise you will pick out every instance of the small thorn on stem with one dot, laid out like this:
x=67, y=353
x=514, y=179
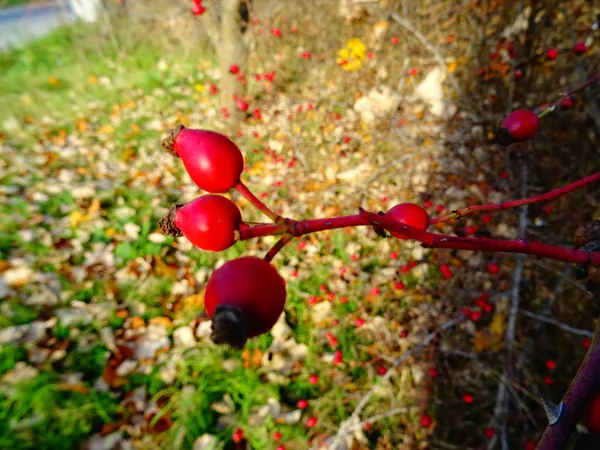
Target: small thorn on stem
x=167, y=223
x=168, y=143
x=553, y=411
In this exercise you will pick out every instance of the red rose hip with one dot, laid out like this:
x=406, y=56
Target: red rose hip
x=519, y=126
x=244, y=297
x=212, y=160
x=210, y=222
x=409, y=214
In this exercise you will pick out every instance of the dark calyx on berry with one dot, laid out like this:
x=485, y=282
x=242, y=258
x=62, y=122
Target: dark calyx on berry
x=503, y=137
x=229, y=326
x=168, y=143
x=167, y=223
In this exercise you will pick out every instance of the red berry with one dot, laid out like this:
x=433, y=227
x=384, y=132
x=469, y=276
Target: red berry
x=580, y=48
x=198, y=9
x=244, y=297
x=551, y=54
x=313, y=379
x=493, y=268
x=468, y=398
x=382, y=370
x=302, y=404
x=414, y=71
x=359, y=322
x=213, y=89
x=234, y=69
x=489, y=432
x=294, y=29
x=586, y=343
x=433, y=373
x=212, y=160
x=520, y=125
x=242, y=105
x=306, y=55
x=311, y=421
x=238, y=436
x=280, y=447
x=337, y=359
x=209, y=222
x=409, y=214
x=550, y=364
x=567, y=102
x=276, y=436
x=395, y=40
x=593, y=414
x=276, y=32
x=529, y=445
x=426, y=421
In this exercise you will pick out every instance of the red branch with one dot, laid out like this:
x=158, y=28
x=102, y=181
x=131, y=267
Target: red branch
x=248, y=195
x=526, y=201
x=576, y=398
x=431, y=240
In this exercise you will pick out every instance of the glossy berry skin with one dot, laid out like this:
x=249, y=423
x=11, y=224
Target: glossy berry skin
x=211, y=159
x=209, y=222
x=593, y=414
x=409, y=214
x=521, y=124
x=252, y=286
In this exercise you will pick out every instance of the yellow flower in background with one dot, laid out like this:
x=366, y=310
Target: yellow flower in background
x=352, y=56
x=53, y=81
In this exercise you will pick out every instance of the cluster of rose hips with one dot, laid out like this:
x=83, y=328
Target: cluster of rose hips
x=246, y=296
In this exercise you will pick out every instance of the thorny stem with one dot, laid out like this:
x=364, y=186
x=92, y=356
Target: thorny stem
x=567, y=94
x=427, y=239
x=248, y=195
x=526, y=201
x=576, y=398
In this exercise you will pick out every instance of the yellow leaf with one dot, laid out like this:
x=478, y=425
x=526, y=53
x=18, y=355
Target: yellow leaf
x=110, y=232
x=452, y=66
x=82, y=125
x=94, y=207
x=498, y=324
x=161, y=320
x=106, y=129
x=76, y=218
x=195, y=301
x=53, y=81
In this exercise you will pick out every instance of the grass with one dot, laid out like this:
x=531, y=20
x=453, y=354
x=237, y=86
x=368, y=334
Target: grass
x=10, y=3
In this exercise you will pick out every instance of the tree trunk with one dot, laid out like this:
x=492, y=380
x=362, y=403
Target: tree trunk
x=232, y=50
x=226, y=24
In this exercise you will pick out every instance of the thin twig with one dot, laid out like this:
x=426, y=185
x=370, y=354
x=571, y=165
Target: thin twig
x=363, y=402
x=408, y=26
x=502, y=404
x=564, y=326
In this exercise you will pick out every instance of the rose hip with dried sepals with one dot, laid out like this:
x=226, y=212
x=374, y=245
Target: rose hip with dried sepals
x=244, y=298
x=211, y=159
x=519, y=126
x=210, y=222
